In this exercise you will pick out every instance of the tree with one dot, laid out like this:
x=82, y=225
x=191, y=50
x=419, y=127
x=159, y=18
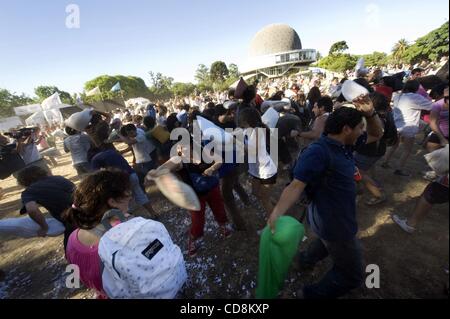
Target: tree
x=160, y=81
x=233, y=72
x=218, y=71
x=431, y=47
x=338, y=62
x=183, y=89
x=376, y=59
x=398, y=52
x=8, y=101
x=131, y=86
x=161, y=86
x=202, y=74
x=338, y=47
x=44, y=92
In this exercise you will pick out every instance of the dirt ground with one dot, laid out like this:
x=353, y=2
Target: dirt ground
x=411, y=266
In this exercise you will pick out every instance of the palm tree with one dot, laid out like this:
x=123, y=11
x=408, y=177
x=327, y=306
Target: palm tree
x=399, y=50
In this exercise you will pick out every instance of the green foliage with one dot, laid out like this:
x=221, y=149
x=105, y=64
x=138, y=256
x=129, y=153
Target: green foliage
x=132, y=87
x=338, y=47
x=430, y=47
x=202, y=74
x=217, y=78
x=42, y=92
x=183, y=89
x=376, y=59
x=233, y=71
x=338, y=62
x=218, y=72
x=398, y=52
x=161, y=86
x=10, y=100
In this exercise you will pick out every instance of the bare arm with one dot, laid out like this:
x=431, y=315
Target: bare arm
x=217, y=160
x=288, y=198
x=374, y=128
x=317, y=130
x=434, y=124
x=35, y=214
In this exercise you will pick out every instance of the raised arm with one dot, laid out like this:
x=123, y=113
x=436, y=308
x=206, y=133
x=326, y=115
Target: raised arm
x=374, y=127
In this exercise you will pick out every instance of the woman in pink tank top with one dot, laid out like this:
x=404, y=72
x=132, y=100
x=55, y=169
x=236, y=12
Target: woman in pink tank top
x=94, y=196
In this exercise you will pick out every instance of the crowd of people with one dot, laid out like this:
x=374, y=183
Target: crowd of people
x=338, y=143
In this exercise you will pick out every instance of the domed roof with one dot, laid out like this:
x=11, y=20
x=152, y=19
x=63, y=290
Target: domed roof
x=275, y=38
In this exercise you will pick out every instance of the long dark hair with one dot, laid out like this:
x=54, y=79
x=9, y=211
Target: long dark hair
x=90, y=199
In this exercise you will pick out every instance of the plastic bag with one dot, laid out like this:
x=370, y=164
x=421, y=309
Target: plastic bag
x=438, y=160
x=276, y=253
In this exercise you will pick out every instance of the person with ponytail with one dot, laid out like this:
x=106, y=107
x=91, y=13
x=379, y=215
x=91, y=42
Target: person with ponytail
x=95, y=195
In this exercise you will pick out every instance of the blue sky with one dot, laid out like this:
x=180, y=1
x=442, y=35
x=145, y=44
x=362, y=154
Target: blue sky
x=174, y=36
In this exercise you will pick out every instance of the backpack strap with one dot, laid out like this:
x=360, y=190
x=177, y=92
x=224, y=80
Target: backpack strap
x=330, y=165
x=310, y=188
x=105, y=224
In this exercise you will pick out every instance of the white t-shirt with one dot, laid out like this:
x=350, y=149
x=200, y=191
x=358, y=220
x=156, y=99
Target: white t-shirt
x=407, y=110
x=142, y=148
x=78, y=145
x=264, y=168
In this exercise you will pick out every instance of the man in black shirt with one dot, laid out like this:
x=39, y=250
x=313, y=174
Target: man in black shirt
x=51, y=192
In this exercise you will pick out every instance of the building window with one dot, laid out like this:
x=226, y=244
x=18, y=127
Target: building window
x=294, y=56
x=278, y=59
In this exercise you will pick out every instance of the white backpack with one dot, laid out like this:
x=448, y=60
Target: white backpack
x=141, y=261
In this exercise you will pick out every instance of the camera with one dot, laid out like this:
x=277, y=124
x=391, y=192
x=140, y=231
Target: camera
x=21, y=133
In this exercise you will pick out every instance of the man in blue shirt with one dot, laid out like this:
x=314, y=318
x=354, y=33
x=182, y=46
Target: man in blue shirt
x=325, y=172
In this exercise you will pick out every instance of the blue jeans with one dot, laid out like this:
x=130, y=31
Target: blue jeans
x=347, y=272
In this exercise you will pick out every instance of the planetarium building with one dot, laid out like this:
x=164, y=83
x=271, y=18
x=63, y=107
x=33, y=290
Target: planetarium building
x=276, y=51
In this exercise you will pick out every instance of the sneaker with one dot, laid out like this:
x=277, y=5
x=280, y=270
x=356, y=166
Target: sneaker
x=400, y=172
x=403, y=223
x=430, y=176
x=225, y=231
x=376, y=200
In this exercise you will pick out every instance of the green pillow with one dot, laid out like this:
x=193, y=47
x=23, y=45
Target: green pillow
x=275, y=255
